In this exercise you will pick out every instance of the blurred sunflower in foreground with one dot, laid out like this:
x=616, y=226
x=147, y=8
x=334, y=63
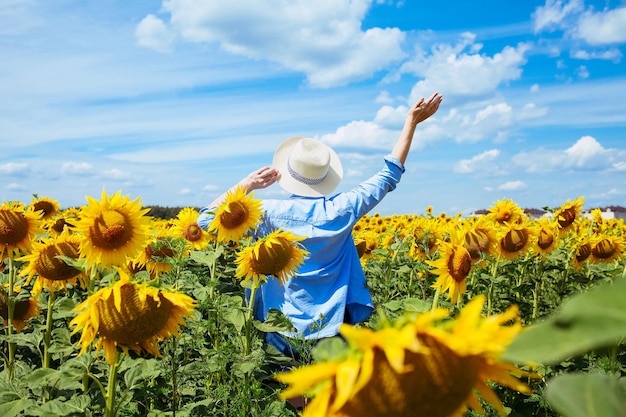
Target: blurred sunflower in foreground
x=132, y=316
x=240, y=213
x=113, y=229
x=426, y=366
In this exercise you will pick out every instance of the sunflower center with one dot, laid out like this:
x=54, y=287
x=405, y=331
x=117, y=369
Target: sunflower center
x=162, y=251
x=503, y=216
x=111, y=230
x=193, y=233
x=476, y=242
x=567, y=217
x=583, y=252
x=271, y=259
x=545, y=239
x=438, y=384
x=49, y=266
x=59, y=225
x=137, y=321
x=235, y=216
x=20, y=309
x=603, y=249
x=459, y=264
x=514, y=241
x=44, y=206
x=13, y=227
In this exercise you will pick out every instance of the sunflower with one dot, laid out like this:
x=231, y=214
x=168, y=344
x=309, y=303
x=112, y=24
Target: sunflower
x=236, y=216
x=515, y=239
x=278, y=254
x=18, y=228
x=52, y=271
x=47, y=206
x=154, y=255
x=480, y=238
x=112, y=229
x=547, y=236
x=505, y=211
x=425, y=232
x=453, y=266
x=131, y=316
x=582, y=251
x=23, y=309
x=63, y=220
x=186, y=226
x=606, y=248
x=366, y=241
x=426, y=367
x=568, y=213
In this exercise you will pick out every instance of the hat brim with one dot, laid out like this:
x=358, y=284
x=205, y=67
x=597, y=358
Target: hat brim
x=292, y=185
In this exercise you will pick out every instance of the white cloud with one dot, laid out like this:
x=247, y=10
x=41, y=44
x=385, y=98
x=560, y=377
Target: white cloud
x=601, y=28
x=384, y=98
x=153, y=33
x=554, y=13
x=586, y=154
x=611, y=54
x=362, y=134
x=184, y=191
x=490, y=122
x=76, y=168
x=211, y=187
x=391, y=116
x=322, y=39
x=114, y=173
x=14, y=168
x=620, y=166
x=15, y=187
x=478, y=162
x=463, y=70
x=583, y=72
x=512, y=186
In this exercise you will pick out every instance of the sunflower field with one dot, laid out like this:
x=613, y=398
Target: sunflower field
x=107, y=311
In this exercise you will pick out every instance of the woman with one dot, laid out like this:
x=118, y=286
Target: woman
x=329, y=288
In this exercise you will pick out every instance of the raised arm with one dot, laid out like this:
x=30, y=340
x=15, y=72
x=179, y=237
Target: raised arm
x=261, y=178
x=419, y=112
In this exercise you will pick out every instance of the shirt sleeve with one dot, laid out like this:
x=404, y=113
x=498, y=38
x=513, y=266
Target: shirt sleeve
x=369, y=193
x=205, y=218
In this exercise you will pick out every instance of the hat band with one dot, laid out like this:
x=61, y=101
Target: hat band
x=304, y=180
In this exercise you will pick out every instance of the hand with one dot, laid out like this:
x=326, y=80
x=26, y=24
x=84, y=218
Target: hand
x=261, y=178
x=423, y=109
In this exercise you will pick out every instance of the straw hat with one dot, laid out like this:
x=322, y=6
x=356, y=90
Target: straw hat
x=308, y=167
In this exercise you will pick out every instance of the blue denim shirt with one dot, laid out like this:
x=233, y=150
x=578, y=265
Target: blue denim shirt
x=331, y=281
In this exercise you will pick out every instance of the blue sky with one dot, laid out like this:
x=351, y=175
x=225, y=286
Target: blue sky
x=173, y=101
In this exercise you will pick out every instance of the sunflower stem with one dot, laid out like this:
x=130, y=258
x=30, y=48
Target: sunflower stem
x=175, y=395
x=48, y=334
x=436, y=298
x=11, y=311
x=111, y=410
x=248, y=341
x=494, y=274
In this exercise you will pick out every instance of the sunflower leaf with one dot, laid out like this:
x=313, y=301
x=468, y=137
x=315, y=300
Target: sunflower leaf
x=274, y=322
x=587, y=395
x=584, y=322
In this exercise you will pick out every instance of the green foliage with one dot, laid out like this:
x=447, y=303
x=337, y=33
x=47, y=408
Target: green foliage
x=219, y=366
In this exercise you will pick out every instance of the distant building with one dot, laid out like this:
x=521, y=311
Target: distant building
x=609, y=212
